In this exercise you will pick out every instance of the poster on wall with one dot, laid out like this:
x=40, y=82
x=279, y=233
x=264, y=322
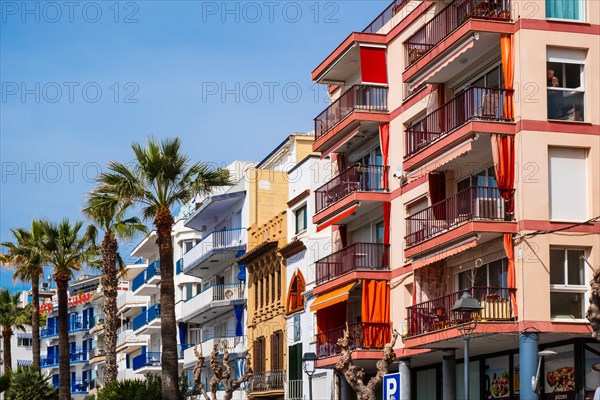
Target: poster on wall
x=592, y=369
x=559, y=374
x=497, y=378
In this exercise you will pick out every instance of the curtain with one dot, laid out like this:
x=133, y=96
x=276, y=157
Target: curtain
x=384, y=137
x=506, y=50
x=375, y=313
x=182, y=335
x=239, y=323
x=328, y=319
x=503, y=153
x=511, y=276
x=343, y=231
x=563, y=9
x=387, y=211
x=437, y=193
x=242, y=267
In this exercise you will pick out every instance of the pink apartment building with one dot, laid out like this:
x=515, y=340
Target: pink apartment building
x=466, y=136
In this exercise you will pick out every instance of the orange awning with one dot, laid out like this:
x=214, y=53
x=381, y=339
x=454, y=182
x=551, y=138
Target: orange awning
x=444, y=253
x=337, y=218
x=333, y=297
x=441, y=160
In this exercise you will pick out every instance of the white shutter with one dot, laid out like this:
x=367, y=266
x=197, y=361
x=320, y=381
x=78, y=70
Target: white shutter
x=568, y=184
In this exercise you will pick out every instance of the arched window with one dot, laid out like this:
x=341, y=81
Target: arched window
x=295, y=300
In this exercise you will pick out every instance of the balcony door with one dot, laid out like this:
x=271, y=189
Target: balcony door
x=481, y=99
x=484, y=200
x=369, y=171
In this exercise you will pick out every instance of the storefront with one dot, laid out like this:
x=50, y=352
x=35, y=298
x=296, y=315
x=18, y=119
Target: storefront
x=573, y=373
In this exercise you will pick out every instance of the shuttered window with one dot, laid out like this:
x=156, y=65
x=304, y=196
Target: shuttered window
x=277, y=351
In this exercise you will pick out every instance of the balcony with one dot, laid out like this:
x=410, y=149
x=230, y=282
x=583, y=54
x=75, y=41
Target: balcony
x=473, y=104
x=214, y=300
x=146, y=283
x=236, y=345
x=447, y=21
x=96, y=355
x=75, y=325
x=216, y=251
x=268, y=381
x=476, y=203
x=356, y=257
x=146, y=362
x=129, y=304
x=294, y=389
x=81, y=387
x=360, y=103
x=435, y=315
x=126, y=374
x=49, y=361
x=148, y=321
x=385, y=17
x=327, y=341
x=128, y=341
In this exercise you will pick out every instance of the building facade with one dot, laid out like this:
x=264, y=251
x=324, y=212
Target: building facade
x=475, y=176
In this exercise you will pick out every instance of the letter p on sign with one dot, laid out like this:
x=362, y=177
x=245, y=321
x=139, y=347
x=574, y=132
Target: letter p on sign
x=391, y=387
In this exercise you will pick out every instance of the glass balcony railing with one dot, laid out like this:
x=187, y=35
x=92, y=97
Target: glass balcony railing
x=149, y=359
x=152, y=270
x=152, y=313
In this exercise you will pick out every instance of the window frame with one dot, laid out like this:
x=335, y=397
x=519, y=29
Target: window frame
x=304, y=208
x=582, y=13
x=566, y=287
x=486, y=265
x=562, y=88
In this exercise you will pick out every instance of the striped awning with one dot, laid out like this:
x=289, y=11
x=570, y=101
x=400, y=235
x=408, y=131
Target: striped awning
x=332, y=297
x=24, y=363
x=24, y=335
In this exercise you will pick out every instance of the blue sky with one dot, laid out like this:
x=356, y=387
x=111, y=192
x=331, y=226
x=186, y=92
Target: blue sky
x=82, y=80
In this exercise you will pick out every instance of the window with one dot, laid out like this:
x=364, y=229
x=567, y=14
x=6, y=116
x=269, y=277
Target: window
x=277, y=351
x=379, y=232
x=296, y=293
x=24, y=342
x=567, y=283
x=259, y=355
x=565, y=84
x=301, y=219
x=566, y=9
x=492, y=275
x=568, y=184
x=187, y=245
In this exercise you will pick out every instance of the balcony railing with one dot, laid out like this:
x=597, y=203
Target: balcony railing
x=294, y=390
x=385, y=16
x=203, y=300
x=475, y=202
x=358, y=256
x=327, y=341
x=268, y=381
x=435, y=315
x=152, y=313
x=366, y=98
x=126, y=297
x=127, y=336
x=181, y=348
x=235, y=344
x=149, y=359
x=152, y=270
x=81, y=386
x=358, y=178
x=475, y=103
x=448, y=20
x=75, y=325
x=216, y=240
x=49, y=361
x=79, y=355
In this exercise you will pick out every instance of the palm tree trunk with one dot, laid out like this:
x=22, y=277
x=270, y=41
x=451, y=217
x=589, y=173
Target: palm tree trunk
x=35, y=323
x=6, y=335
x=64, y=372
x=109, y=284
x=168, y=332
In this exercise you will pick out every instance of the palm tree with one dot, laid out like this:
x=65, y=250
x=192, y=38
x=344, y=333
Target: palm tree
x=12, y=315
x=25, y=256
x=107, y=213
x=66, y=251
x=161, y=178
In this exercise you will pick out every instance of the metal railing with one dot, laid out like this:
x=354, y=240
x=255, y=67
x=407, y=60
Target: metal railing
x=327, y=341
x=75, y=325
x=144, y=276
x=202, y=301
x=357, y=256
x=235, y=344
x=267, y=381
x=475, y=202
x=435, y=315
x=216, y=240
x=358, y=178
x=474, y=103
x=81, y=386
x=152, y=313
x=294, y=389
x=448, y=20
x=367, y=98
x=149, y=359
x=49, y=361
x=385, y=16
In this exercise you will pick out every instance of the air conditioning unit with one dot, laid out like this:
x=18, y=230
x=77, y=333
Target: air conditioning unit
x=489, y=208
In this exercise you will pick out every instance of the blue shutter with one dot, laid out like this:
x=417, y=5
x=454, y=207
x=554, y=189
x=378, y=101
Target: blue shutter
x=127, y=366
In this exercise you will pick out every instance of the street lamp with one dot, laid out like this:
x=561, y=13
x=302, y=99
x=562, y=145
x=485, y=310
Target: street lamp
x=535, y=379
x=466, y=306
x=308, y=364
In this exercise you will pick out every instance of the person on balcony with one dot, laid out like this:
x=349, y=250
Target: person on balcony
x=552, y=82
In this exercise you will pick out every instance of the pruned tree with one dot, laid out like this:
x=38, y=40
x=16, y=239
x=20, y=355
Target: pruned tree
x=355, y=375
x=222, y=373
x=593, y=312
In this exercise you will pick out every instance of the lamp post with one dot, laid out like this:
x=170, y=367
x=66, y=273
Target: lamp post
x=466, y=306
x=535, y=379
x=308, y=364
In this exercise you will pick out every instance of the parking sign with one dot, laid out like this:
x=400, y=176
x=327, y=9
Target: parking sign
x=391, y=386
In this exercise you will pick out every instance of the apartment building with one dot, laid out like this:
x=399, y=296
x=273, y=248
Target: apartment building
x=82, y=319
x=466, y=138
x=304, y=247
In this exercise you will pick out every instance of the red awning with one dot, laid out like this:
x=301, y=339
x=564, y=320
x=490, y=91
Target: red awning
x=337, y=218
x=372, y=65
x=441, y=160
x=444, y=253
